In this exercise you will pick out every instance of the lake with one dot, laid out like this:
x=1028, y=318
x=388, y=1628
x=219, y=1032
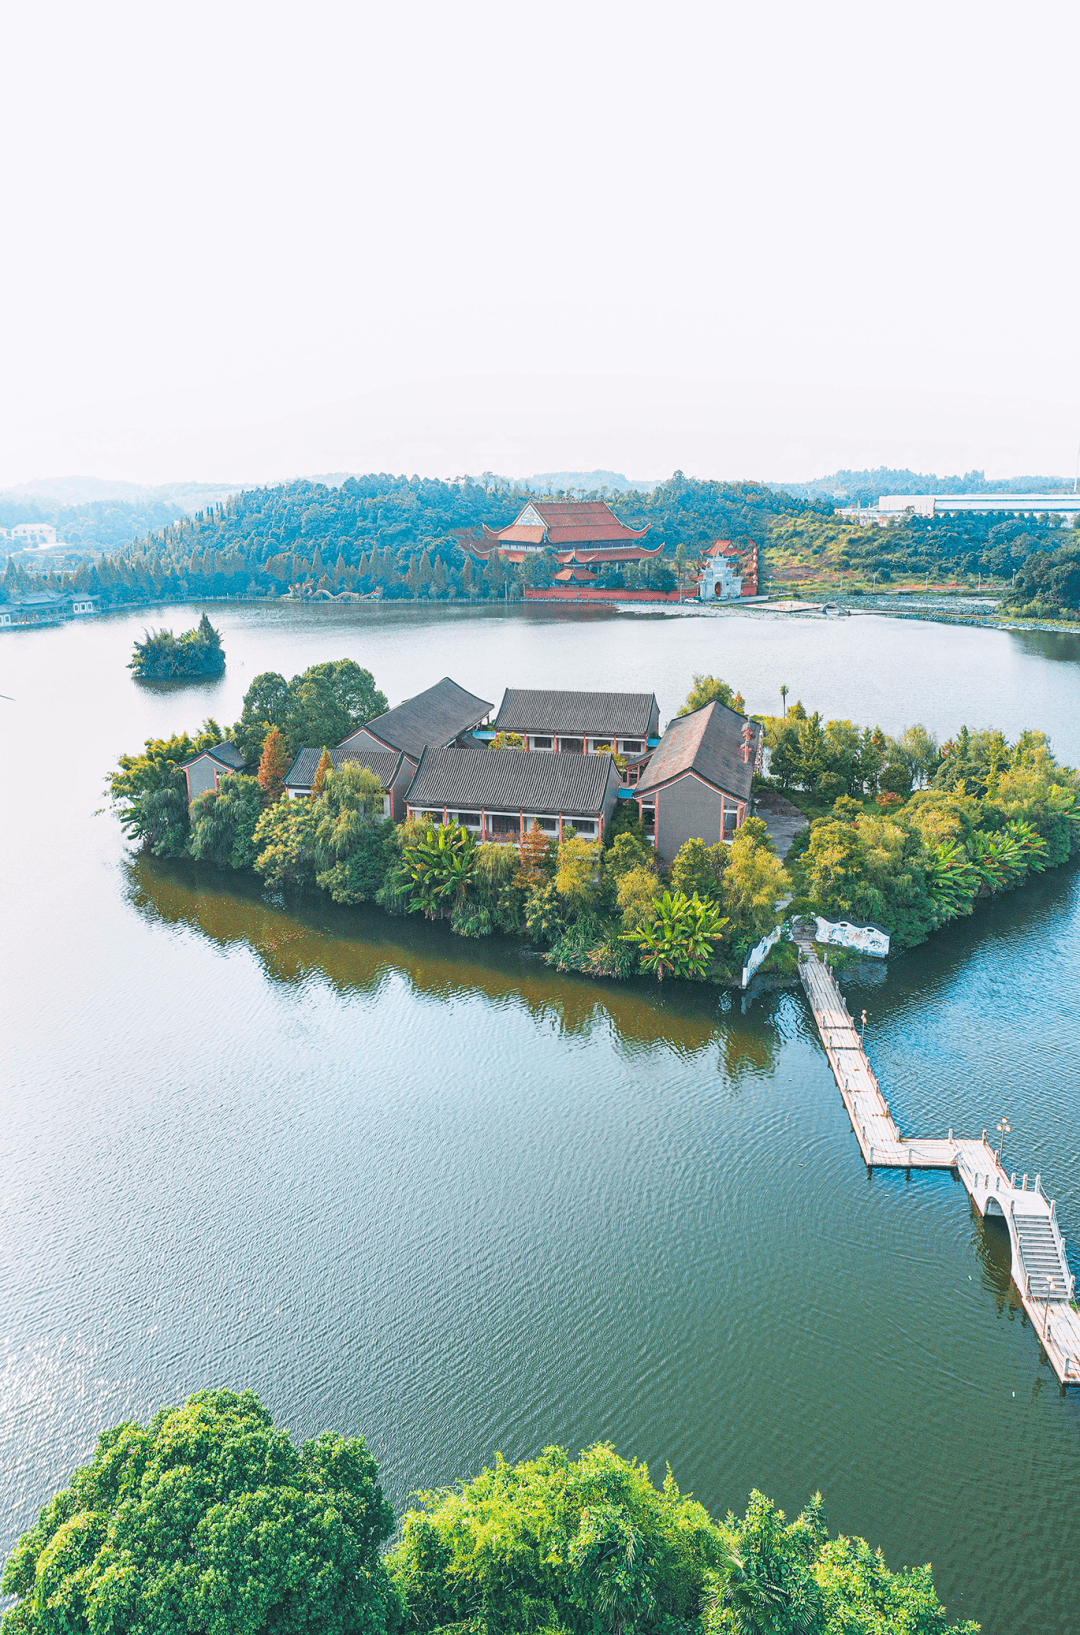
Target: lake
x=430, y=1191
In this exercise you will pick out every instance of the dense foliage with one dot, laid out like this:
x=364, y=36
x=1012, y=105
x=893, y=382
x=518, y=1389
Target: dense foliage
x=969, y=547
x=165, y=657
x=212, y=1520
x=909, y=834
x=209, y=1519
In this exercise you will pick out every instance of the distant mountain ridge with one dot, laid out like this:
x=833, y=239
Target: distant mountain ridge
x=867, y=486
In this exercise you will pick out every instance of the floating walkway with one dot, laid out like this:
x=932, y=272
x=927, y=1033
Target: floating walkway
x=1040, y=1268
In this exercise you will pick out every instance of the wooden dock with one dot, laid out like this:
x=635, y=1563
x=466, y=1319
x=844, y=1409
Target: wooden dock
x=1040, y=1267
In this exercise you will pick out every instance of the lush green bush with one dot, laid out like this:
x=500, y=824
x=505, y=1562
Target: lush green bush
x=165, y=657
x=149, y=791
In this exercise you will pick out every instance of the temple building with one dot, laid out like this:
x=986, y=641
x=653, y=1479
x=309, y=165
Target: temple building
x=578, y=532
x=727, y=573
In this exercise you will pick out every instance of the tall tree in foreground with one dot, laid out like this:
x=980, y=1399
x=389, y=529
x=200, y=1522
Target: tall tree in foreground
x=274, y=764
x=209, y=1519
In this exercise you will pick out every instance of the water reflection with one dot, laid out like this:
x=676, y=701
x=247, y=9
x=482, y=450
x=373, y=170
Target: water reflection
x=357, y=949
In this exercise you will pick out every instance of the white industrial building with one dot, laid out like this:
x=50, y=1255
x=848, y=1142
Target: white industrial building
x=892, y=508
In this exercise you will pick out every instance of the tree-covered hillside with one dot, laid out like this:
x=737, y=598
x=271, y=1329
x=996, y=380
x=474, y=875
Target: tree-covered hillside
x=868, y=486
x=398, y=535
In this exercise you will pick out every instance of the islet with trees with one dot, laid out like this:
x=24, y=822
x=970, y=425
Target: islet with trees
x=904, y=832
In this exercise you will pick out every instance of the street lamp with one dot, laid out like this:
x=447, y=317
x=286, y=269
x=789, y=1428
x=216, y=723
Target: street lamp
x=1005, y=1129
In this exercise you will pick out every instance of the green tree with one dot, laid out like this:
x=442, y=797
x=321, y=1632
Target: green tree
x=699, y=868
x=274, y=764
x=754, y=884
x=350, y=835
x=329, y=701
x=538, y=569
x=209, y=1519
x=322, y=706
x=285, y=837
x=637, y=891
x=266, y=705
x=576, y=876
x=680, y=938
x=165, y=657
x=710, y=690
x=580, y=1545
x=223, y=823
x=149, y=791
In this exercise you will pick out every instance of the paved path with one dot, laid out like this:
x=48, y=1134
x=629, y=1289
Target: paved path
x=1040, y=1268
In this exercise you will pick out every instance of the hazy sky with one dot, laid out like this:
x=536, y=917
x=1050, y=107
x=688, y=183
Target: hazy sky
x=246, y=240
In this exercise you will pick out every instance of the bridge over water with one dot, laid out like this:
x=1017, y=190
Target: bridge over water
x=1040, y=1267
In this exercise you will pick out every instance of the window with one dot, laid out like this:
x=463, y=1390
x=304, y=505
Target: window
x=631, y=746
x=584, y=826
x=539, y=743
x=468, y=820
x=573, y=746
x=549, y=825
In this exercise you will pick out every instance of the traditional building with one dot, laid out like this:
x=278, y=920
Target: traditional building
x=393, y=769
x=206, y=770
x=728, y=573
x=697, y=784
x=442, y=715
x=583, y=723
x=500, y=793
x=578, y=532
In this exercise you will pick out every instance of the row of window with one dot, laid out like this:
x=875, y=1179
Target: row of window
x=584, y=746
x=499, y=824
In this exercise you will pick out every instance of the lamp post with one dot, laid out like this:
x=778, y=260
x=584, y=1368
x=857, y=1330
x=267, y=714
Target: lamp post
x=1005, y=1128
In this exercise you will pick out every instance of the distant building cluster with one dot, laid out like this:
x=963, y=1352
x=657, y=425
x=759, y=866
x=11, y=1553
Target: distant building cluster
x=585, y=537
x=45, y=607
x=23, y=534
x=436, y=758
x=894, y=508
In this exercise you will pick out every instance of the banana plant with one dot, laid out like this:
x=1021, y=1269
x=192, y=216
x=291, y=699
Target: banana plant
x=680, y=936
x=440, y=862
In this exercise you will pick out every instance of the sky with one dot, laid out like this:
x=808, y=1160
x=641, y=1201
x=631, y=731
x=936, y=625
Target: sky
x=246, y=241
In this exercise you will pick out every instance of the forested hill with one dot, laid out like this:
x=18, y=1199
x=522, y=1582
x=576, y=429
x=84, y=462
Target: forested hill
x=396, y=534
x=866, y=487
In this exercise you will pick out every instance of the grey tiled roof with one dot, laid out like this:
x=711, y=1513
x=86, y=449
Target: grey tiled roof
x=467, y=779
x=383, y=762
x=624, y=715
x=225, y=754
x=434, y=717
x=709, y=742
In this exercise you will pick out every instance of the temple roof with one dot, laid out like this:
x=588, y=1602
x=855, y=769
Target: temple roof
x=610, y=553
x=566, y=522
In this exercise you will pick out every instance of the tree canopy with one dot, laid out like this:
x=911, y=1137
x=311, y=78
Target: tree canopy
x=209, y=1519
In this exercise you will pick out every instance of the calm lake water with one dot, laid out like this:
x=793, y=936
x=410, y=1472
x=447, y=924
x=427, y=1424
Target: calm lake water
x=429, y=1191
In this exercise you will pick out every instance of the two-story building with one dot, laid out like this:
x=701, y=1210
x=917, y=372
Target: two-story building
x=500, y=793
x=697, y=783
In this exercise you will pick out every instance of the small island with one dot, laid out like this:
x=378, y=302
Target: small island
x=193, y=654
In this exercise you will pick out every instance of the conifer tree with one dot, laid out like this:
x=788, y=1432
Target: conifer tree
x=325, y=765
x=274, y=764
